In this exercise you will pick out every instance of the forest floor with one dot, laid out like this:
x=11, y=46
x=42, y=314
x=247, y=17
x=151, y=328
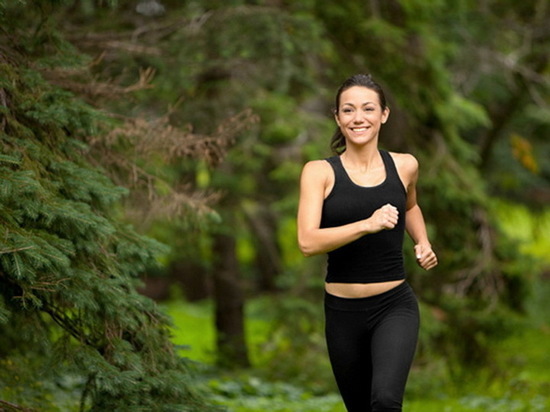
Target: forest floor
x=524, y=387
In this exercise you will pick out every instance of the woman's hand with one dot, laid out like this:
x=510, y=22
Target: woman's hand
x=384, y=218
x=425, y=256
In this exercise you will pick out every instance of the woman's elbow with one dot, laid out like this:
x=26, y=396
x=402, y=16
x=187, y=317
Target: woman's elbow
x=306, y=251
x=305, y=247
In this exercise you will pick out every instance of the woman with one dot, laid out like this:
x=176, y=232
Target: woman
x=355, y=206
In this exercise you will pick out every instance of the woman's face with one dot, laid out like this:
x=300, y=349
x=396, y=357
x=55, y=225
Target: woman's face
x=360, y=115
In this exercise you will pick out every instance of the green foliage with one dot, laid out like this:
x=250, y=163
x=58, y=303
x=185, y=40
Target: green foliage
x=529, y=228
x=466, y=84
x=253, y=394
x=409, y=46
x=33, y=383
x=520, y=384
x=295, y=348
x=69, y=266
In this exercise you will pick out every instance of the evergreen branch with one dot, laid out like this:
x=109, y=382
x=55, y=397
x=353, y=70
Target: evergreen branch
x=2, y=252
x=127, y=46
x=67, y=324
x=93, y=89
x=90, y=382
x=13, y=406
x=127, y=41
x=160, y=137
x=175, y=204
x=43, y=285
x=144, y=138
x=112, y=41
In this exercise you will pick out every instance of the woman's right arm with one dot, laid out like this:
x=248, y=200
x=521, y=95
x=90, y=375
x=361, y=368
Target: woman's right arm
x=317, y=177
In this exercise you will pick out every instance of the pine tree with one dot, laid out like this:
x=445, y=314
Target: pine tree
x=69, y=264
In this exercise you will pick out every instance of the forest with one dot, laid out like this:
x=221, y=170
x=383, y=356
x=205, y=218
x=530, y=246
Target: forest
x=150, y=156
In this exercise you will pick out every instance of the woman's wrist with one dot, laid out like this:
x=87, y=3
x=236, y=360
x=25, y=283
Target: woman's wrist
x=365, y=226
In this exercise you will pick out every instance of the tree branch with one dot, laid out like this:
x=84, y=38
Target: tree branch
x=14, y=407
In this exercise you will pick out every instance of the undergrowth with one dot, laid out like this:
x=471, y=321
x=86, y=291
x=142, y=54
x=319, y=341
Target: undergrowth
x=521, y=385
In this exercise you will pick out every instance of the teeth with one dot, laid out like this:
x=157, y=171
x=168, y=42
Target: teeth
x=359, y=129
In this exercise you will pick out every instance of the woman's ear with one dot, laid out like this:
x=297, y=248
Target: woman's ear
x=336, y=118
x=385, y=115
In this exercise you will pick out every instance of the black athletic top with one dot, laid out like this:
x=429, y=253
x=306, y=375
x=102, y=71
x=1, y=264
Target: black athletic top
x=376, y=257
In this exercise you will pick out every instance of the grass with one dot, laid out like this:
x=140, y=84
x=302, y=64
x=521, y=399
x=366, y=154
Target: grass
x=194, y=333
x=193, y=330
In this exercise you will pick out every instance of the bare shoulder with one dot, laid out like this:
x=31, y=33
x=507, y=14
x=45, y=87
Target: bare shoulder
x=406, y=163
x=317, y=168
x=317, y=175
x=407, y=168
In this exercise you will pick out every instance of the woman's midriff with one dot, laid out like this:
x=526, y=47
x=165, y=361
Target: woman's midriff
x=360, y=290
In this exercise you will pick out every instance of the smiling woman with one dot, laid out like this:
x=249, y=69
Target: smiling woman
x=356, y=206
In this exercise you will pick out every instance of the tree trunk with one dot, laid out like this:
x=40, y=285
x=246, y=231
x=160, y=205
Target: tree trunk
x=193, y=278
x=229, y=304
x=263, y=225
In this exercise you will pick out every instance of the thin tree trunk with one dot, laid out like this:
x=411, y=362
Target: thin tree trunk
x=229, y=304
x=262, y=222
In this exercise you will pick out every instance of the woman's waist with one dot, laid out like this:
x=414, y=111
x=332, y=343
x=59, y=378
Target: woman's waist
x=360, y=290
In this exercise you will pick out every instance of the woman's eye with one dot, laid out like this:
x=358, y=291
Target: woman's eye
x=347, y=111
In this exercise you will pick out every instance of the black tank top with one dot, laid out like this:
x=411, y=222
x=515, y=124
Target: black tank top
x=376, y=257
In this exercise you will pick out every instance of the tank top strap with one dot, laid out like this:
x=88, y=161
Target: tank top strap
x=336, y=163
x=391, y=169
x=390, y=164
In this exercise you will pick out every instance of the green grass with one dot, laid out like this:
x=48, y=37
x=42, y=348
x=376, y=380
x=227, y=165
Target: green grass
x=194, y=332
x=193, y=329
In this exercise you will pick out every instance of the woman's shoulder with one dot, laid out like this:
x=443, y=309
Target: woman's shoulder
x=318, y=165
x=407, y=167
x=405, y=162
x=317, y=169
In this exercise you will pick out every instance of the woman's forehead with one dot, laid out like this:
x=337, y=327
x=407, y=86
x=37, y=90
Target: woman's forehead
x=359, y=95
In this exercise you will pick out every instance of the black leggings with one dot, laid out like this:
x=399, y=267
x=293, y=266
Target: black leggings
x=371, y=343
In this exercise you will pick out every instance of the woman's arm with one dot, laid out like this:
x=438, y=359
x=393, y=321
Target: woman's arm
x=416, y=228
x=414, y=220
x=316, y=180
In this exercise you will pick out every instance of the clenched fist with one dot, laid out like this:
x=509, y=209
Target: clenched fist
x=425, y=256
x=384, y=218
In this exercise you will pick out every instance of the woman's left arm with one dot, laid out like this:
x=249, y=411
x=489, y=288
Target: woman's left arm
x=415, y=224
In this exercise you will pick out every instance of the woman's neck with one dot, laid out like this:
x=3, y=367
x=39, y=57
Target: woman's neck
x=364, y=158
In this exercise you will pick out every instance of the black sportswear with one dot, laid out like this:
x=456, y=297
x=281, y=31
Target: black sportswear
x=376, y=257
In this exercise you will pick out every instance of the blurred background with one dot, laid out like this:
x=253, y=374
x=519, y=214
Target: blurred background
x=203, y=112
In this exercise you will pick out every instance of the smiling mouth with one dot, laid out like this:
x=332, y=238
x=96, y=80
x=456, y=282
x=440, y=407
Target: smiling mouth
x=359, y=129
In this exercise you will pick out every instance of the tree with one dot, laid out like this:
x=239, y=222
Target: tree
x=239, y=72
x=69, y=262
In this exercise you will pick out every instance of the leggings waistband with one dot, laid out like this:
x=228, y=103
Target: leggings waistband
x=399, y=292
